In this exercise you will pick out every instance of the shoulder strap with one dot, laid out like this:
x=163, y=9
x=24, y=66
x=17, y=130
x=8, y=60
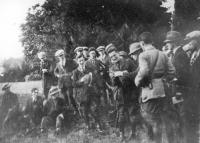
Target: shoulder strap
x=154, y=64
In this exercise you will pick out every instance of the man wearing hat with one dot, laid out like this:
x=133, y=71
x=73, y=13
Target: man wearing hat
x=124, y=92
x=63, y=72
x=97, y=68
x=34, y=107
x=9, y=100
x=78, y=51
x=46, y=69
x=181, y=62
x=154, y=65
x=54, y=109
x=102, y=55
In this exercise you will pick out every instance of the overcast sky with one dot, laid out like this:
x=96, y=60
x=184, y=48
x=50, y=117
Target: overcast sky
x=13, y=14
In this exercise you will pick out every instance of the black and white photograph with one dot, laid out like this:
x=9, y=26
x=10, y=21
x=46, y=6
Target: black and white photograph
x=100, y=71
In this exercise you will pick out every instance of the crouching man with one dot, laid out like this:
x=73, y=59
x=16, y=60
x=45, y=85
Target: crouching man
x=34, y=108
x=54, y=109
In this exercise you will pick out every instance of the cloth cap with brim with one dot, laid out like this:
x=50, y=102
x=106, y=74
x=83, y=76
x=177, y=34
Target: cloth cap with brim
x=41, y=55
x=173, y=36
x=59, y=53
x=194, y=35
x=78, y=49
x=110, y=48
x=53, y=91
x=6, y=86
x=123, y=53
x=134, y=48
x=85, y=48
x=101, y=48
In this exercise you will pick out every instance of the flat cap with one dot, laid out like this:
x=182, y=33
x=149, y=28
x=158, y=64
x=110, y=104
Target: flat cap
x=101, y=48
x=59, y=53
x=173, y=36
x=53, y=90
x=85, y=48
x=110, y=48
x=134, y=47
x=78, y=49
x=6, y=86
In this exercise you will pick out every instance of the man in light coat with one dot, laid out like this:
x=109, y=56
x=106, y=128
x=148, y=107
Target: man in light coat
x=153, y=64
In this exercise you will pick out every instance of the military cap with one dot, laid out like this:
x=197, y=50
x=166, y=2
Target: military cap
x=146, y=37
x=59, y=53
x=53, y=90
x=123, y=53
x=6, y=86
x=193, y=35
x=110, y=48
x=101, y=48
x=78, y=49
x=134, y=47
x=85, y=48
x=41, y=55
x=173, y=36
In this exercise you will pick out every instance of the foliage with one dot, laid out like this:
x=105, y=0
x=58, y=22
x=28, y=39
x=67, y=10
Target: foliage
x=68, y=23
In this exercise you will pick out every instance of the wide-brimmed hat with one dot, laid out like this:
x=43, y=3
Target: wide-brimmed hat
x=110, y=48
x=134, y=47
x=53, y=91
x=59, y=53
x=194, y=35
x=6, y=86
x=173, y=36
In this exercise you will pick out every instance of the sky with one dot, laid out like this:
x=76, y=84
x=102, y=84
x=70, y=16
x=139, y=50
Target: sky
x=13, y=14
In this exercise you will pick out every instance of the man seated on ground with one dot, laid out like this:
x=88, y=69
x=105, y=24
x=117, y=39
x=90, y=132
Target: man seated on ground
x=34, y=107
x=54, y=111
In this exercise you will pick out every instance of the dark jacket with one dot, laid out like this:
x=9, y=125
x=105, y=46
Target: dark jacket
x=83, y=92
x=126, y=89
x=181, y=63
x=48, y=76
x=34, y=109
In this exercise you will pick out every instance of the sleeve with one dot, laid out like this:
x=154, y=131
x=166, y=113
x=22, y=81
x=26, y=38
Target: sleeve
x=170, y=69
x=143, y=69
x=56, y=71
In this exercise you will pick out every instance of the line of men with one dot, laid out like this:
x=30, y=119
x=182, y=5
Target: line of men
x=147, y=86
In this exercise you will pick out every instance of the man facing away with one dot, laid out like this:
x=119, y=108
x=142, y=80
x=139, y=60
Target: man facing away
x=153, y=66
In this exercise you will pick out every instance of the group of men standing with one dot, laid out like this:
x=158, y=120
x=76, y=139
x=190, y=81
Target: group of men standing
x=146, y=86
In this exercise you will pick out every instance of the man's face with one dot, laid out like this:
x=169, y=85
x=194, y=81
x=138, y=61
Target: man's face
x=35, y=93
x=114, y=56
x=85, y=53
x=81, y=61
x=92, y=54
x=168, y=48
x=190, y=46
x=101, y=52
x=61, y=58
x=79, y=52
x=134, y=57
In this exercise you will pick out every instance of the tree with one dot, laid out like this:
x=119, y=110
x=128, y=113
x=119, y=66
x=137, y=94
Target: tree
x=68, y=23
